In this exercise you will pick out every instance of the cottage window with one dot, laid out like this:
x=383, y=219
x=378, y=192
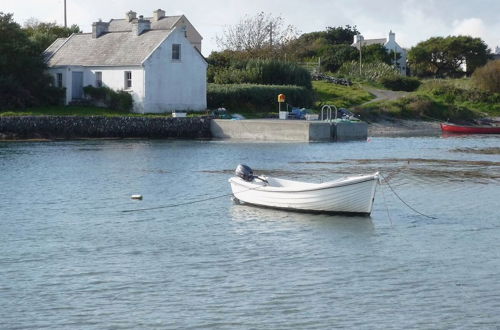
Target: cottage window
x=59, y=80
x=98, y=79
x=128, y=79
x=176, y=51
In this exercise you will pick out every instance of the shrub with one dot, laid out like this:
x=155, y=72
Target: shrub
x=488, y=77
x=400, y=83
x=259, y=98
x=116, y=100
x=264, y=72
x=369, y=71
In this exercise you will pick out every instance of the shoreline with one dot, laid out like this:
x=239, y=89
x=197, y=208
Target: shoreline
x=403, y=128
x=46, y=128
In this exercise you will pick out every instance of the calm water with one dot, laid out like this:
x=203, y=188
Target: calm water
x=70, y=258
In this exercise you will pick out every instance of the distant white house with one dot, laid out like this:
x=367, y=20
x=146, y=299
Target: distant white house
x=389, y=44
x=496, y=56
x=157, y=60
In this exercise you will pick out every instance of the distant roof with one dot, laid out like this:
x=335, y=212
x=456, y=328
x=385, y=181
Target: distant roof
x=110, y=49
x=368, y=42
x=165, y=23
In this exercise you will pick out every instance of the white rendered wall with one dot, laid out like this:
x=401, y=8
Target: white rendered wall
x=175, y=84
x=393, y=45
x=112, y=77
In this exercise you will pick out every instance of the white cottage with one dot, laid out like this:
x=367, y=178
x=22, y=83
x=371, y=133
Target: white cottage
x=157, y=60
x=389, y=44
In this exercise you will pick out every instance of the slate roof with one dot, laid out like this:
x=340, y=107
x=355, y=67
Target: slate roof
x=110, y=49
x=53, y=48
x=368, y=42
x=165, y=23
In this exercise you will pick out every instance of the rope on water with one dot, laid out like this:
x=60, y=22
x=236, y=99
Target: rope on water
x=178, y=204
x=405, y=203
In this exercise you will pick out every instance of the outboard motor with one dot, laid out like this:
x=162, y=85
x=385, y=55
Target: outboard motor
x=244, y=172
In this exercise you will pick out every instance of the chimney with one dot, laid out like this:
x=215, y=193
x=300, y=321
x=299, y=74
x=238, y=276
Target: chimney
x=140, y=25
x=158, y=15
x=357, y=39
x=99, y=28
x=131, y=15
x=392, y=36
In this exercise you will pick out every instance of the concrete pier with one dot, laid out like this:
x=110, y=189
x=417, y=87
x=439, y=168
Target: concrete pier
x=287, y=130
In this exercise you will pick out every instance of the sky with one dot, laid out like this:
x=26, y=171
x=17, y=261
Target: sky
x=412, y=20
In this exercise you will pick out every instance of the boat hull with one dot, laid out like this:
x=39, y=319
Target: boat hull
x=352, y=196
x=450, y=128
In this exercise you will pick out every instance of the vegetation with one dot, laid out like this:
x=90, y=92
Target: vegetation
x=338, y=95
x=264, y=72
x=260, y=35
x=400, y=83
x=255, y=98
x=462, y=93
x=488, y=77
x=104, y=96
x=370, y=72
x=66, y=111
x=445, y=57
x=445, y=99
x=23, y=81
x=42, y=35
x=415, y=107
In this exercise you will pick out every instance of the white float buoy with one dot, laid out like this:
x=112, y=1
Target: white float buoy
x=139, y=197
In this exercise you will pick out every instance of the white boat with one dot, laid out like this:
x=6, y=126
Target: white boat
x=352, y=195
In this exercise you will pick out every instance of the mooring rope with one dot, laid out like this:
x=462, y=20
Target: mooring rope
x=405, y=203
x=178, y=204
x=187, y=203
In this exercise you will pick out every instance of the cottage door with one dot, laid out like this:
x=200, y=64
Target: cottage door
x=77, y=86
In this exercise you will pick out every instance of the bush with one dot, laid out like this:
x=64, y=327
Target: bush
x=369, y=71
x=257, y=98
x=450, y=93
x=104, y=96
x=416, y=107
x=400, y=83
x=264, y=72
x=488, y=77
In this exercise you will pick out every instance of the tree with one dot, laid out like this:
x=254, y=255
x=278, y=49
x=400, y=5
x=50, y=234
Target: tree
x=450, y=56
x=44, y=34
x=378, y=53
x=23, y=81
x=256, y=34
x=341, y=35
x=335, y=55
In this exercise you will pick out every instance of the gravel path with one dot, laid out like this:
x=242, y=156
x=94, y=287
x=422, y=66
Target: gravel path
x=384, y=95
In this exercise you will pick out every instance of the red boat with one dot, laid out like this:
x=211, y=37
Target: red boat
x=462, y=129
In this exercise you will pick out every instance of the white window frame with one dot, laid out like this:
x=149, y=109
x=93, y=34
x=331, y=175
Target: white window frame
x=176, y=52
x=128, y=79
x=98, y=79
x=59, y=78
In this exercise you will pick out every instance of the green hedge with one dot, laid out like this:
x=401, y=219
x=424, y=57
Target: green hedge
x=116, y=100
x=400, y=83
x=257, y=98
x=266, y=72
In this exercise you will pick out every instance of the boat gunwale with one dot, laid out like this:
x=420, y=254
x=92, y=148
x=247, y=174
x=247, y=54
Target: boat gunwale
x=373, y=177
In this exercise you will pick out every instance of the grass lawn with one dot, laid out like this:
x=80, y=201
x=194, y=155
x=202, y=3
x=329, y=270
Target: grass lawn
x=70, y=111
x=338, y=95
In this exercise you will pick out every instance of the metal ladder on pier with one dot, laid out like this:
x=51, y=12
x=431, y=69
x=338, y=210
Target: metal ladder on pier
x=329, y=113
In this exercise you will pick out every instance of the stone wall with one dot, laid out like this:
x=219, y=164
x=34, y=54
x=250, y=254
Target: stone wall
x=74, y=127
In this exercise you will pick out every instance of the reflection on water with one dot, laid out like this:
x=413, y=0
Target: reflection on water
x=248, y=213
